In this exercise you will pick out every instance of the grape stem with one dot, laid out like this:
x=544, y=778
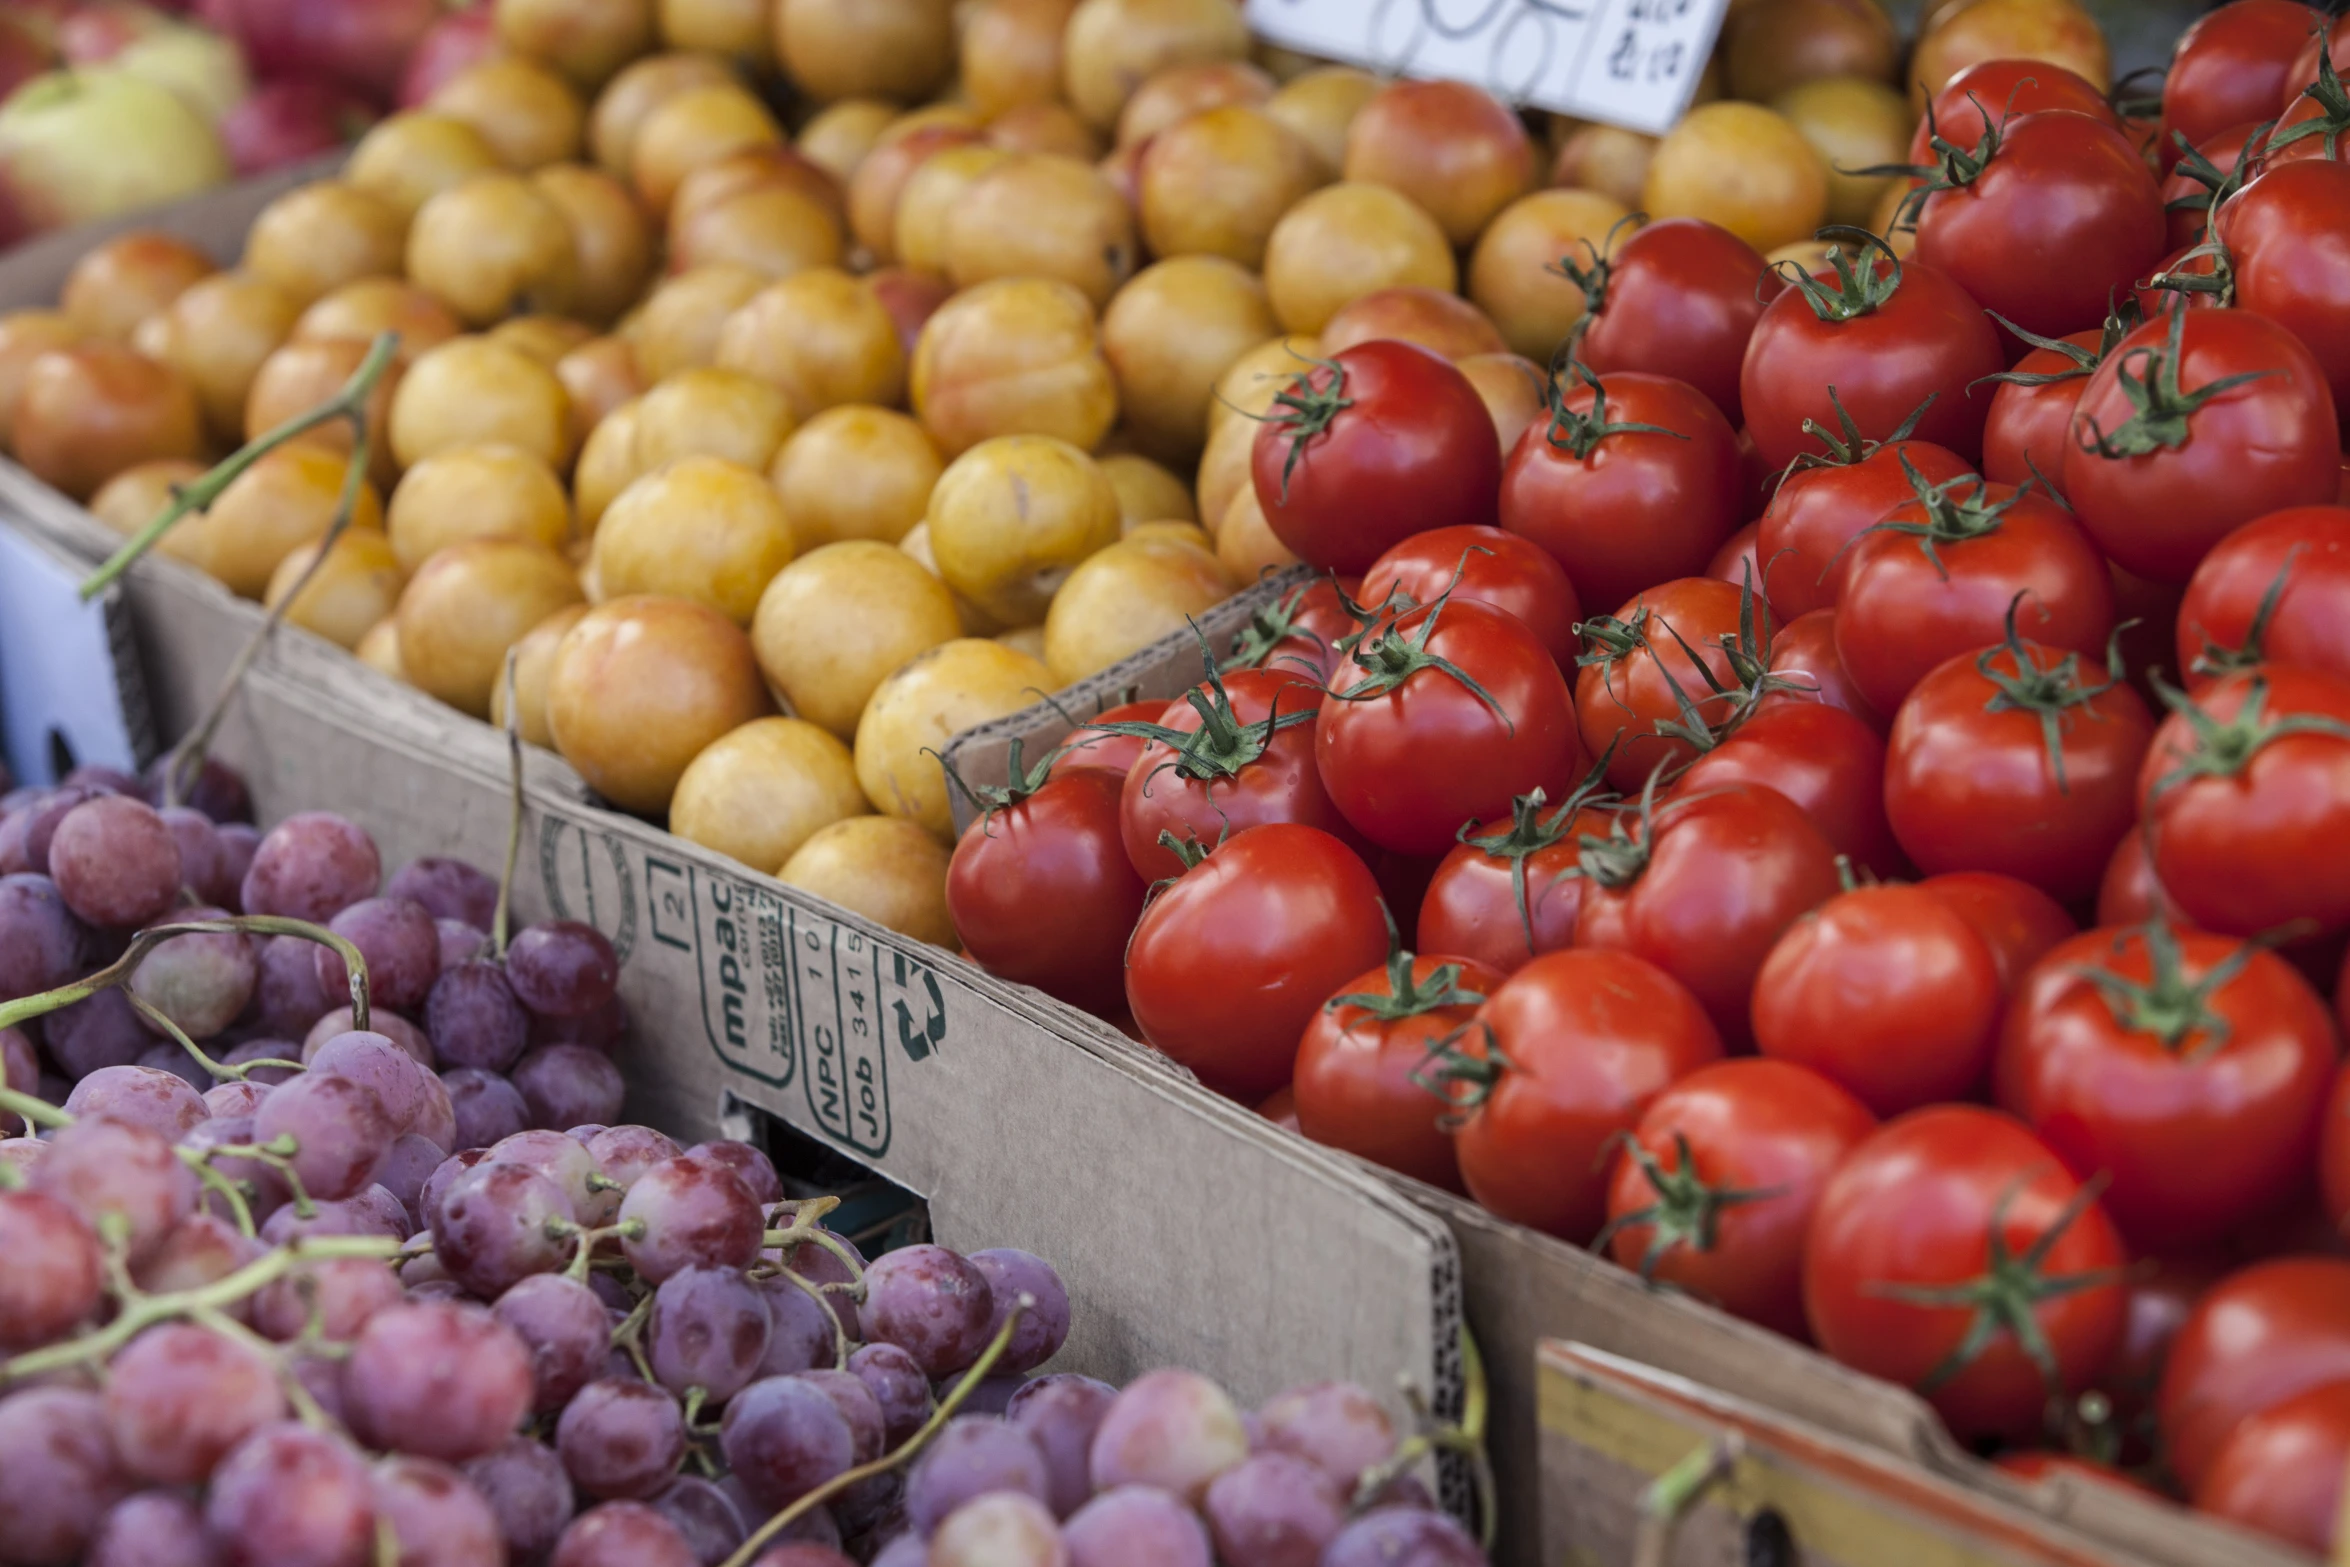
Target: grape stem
x=145, y=1311
x=232, y=1192
x=38, y=1111
x=161, y=1020
x=121, y=969
x=577, y=1272
x=199, y=493
x=306, y=1408
x=1467, y=1438
x=278, y=1154
x=42, y=1112
x=630, y=1330
x=914, y=1444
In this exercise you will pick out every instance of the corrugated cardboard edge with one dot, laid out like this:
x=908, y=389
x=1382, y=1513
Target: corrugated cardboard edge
x=1523, y=1287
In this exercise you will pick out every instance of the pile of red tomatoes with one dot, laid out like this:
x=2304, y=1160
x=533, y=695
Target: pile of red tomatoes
x=1853, y=812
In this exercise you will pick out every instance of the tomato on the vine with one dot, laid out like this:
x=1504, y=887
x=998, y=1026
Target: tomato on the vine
x=2245, y=797
x=1379, y=442
x=1359, y=1082
x=2315, y=121
x=2282, y=1471
x=2018, y=760
x=1803, y=655
x=1484, y=566
x=2288, y=239
x=1678, y=298
x=2188, y=1069
x=2254, y=1340
x=2230, y=68
x=1829, y=498
x=2008, y=87
x=2275, y=590
x=2195, y=425
x=2031, y=418
x=2128, y=894
x=1715, y=1188
x=1822, y=758
x=1885, y=991
x=1942, y=576
x=1570, y=1050
x=1952, y=1252
x=2016, y=920
x=2044, y=218
x=1506, y=894
x=1632, y=480
x=1229, y=964
x=2204, y=177
x=1703, y=886
x=1091, y=747
x=1440, y=717
x=1300, y=631
x=1039, y=887
x=1234, y=752
x=1663, y=672
x=1884, y=334
x=2333, y=1142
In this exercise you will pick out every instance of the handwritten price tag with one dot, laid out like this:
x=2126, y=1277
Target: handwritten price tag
x=1632, y=63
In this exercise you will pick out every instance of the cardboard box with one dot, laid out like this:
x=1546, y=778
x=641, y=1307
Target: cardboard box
x=1523, y=1287
x=1774, y=1489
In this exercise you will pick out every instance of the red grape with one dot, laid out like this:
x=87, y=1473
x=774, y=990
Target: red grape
x=857, y=1406
x=566, y=1329
x=491, y=1229
x=39, y=817
x=201, y=1249
x=1335, y=1425
x=474, y=1019
x=569, y=1086
x=460, y=942
x=1403, y=1537
x=1044, y=1326
x=218, y=790
x=437, y=1379
x=399, y=943
x=436, y=1185
x=289, y=1496
x=54, y=1272
x=339, y=1128
x=100, y=1166
x=311, y=867
x=931, y=1303
x=801, y=1336
x=115, y=862
x=783, y=1438
x=1060, y=1415
x=687, y=1213
x=819, y=1266
x=142, y=1096
x=382, y=1066
x=100, y=1032
x=1273, y=1510
x=180, y=1396
x=436, y=1515
x=234, y=844
x=529, y=1493
x=1172, y=1429
x=391, y=1025
x=199, y=846
x=405, y=1170
x=265, y=1190
x=1005, y=1529
x=567, y=1163
x=704, y=1516
x=449, y=889
x=343, y=1293
x=625, y=1152
x=41, y=943
x=974, y=1455
x=235, y=1098
x=897, y=1385
x=708, y=1329
x=152, y=1529
x=621, y=1437
x=562, y=968
x=1135, y=1526
x=201, y=981
x=755, y=1168
x=57, y=1474
x=622, y=1534
x=290, y=997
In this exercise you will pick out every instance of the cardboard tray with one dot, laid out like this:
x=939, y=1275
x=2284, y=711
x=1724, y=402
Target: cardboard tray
x=1523, y=1287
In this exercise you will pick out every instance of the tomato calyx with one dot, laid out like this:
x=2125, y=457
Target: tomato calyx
x=1592, y=279
x=2168, y=1005
x=2047, y=691
x=1859, y=291
x=1952, y=517
x=2120, y=321
x=1463, y=1080
x=1406, y=996
x=1222, y=746
x=1619, y=857
x=1270, y=625
x=2215, y=660
x=1022, y=782
x=1747, y=651
x=2224, y=749
x=2005, y=1296
x=1686, y=1212
x=2162, y=409
x=1187, y=848
x=1303, y=411
x=2333, y=120
x=1954, y=167
x=1530, y=832
x=2217, y=187
x=1851, y=447
x=1581, y=434
x=1389, y=657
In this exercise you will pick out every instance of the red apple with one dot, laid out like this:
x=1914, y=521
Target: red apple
x=288, y=122
x=456, y=42
x=359, y=45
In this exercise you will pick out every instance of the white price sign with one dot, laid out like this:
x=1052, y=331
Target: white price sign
x=1632, y=63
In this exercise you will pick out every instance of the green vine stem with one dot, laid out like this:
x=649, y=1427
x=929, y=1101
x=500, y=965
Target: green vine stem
x=1666, y=1500
x=219, y=1070
x=145, y=1311
x=1467, y=1438
x=120, y=970
x=198, y=494
x=947, y=1406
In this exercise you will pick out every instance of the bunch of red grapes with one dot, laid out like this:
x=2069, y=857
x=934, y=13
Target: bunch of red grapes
x=277, y=1290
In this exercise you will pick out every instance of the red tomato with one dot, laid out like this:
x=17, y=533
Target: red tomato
x=1715, y=1189
x=2016, y=920
x=2163, y=1292
x=2230, y=68
x=1886, y=334
x=1440, y=718
x=2203, y=178
x=1633, y=481
x=2303, y=72
x=2314, y=122
x=2031, y=419
x=1959, y=1201
x=1704, y=886
x=2245, y=796
x=2157, y=487
x=2281, y=1471
x=1804, y=655
x=2188, y=1069
x=1886, y=992
x=1677, y=298
x=1041, y=893
x=2254, y=1340
x=2333, y=1146
x=1280, y=1108
x=1825, y=760
x=1235, y=752
x=1298, y=631
x=2017, y=760
x=1381, y=441
x=2274, y=590
x=2007, y=88
x=1359, y=1082
x=1829, y=498
x=2038, y=1464
x=2289, y=235
x=1230, y=963
x=1092, y=748
x=2178, y=284
x=1507, y=894
x=1736, y=562
x=1954, y=571
x=1661, y=667
x=2043, y=219
x=2128, y=894
x=1483, y=566
x=1575, y=1046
